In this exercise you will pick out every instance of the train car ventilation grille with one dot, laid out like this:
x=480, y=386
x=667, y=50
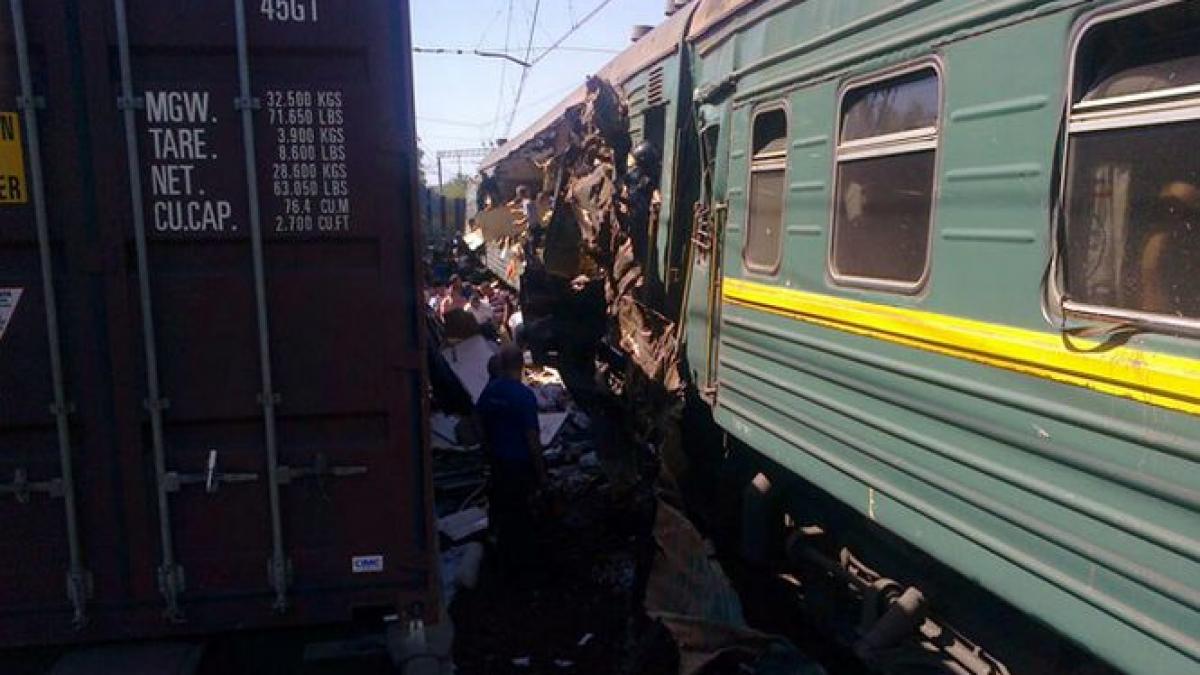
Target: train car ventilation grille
x=654, y=89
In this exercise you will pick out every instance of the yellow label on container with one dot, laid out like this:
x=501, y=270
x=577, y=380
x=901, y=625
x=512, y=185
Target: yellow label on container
x=12, y=161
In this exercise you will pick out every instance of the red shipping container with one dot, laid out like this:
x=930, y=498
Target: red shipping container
x=211, y=349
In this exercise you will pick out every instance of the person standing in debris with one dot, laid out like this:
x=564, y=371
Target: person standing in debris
x=528, y=207
x=507, y=412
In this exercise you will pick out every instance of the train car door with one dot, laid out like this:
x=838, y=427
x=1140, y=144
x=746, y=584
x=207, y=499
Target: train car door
x=708, y=229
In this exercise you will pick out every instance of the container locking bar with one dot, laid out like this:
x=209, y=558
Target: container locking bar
x=79, y=586
x=278, y=566
x=22, y=488
x=170, y=574
x=320, y=470
x=211, y=479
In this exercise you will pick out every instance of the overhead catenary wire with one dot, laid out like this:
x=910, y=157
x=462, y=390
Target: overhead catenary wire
x=491, y=22
x=537, y=5
x=472, y=52
x=574, y=27
x=503, y=69
x=502, y=50
x=467, y=124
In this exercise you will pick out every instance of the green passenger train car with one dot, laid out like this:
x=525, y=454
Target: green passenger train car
x=947, y=270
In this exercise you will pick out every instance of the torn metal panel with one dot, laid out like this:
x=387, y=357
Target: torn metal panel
x=689, y=593
x=593, y=268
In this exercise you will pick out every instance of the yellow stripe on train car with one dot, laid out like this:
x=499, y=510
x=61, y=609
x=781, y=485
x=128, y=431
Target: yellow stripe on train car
x=1148, y=377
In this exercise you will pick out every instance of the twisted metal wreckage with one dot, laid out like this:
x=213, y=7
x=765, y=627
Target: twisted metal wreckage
x=590, y=290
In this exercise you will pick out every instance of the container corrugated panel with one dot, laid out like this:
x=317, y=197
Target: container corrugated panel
x=236, y=436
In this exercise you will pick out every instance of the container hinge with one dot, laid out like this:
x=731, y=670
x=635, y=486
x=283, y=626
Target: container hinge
x=158, y=405
x=247, y=103
x=131, y=103
x=320, y=470
x=171, y=583
x=211, y=479
x=22, y=488
x=24, y=103
x=279, y=575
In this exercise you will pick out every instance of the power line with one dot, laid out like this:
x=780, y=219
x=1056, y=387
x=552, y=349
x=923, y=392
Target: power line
x=454, y=123
x=502, y=50
x=537, y=5
x=533, y=22
x=556, y=93
x=576, y=26
x=472, y=52
x=503, y=69
x=490, y=23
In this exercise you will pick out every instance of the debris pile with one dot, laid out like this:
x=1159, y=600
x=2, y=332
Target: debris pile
x=624, y=582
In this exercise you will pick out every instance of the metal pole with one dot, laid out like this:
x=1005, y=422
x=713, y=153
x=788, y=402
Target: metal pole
x=278, y=565
x=77, y=577
x=443, y=226
x=441, y=196
x=170, y=575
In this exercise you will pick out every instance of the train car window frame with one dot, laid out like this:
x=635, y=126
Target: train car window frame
x=911, y=141
x=771, y=163
x=1138, y=111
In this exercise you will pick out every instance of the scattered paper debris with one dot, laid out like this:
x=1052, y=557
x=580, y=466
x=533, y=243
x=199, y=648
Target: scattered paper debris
x=459, y=526
x=551, y=424
x=468, y=359
x=443, y=430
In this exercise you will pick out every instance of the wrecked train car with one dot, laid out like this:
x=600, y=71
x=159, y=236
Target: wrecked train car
x=911, y=279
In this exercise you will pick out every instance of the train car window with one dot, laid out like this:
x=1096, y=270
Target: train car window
x=901, y=104
x=768, y=166
x=886, y=156
x=1132, y=202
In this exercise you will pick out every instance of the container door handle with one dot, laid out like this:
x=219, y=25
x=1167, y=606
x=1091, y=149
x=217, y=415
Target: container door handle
x=211, y=479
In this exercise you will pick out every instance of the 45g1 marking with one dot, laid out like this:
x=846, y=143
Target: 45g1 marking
x=293, y=11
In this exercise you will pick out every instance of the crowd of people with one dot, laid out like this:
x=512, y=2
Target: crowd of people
x=487, y=308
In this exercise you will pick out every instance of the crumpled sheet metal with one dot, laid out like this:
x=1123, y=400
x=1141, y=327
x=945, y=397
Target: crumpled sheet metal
x=597, y=242
x=690, y=594
x=613, y=211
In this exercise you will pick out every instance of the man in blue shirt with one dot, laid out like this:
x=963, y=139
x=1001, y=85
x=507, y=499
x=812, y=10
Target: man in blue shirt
x=507, y=411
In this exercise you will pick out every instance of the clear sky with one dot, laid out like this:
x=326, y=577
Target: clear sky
x=466, y=101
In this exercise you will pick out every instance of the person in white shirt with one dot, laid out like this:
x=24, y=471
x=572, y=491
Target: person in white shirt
x=481, y=309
